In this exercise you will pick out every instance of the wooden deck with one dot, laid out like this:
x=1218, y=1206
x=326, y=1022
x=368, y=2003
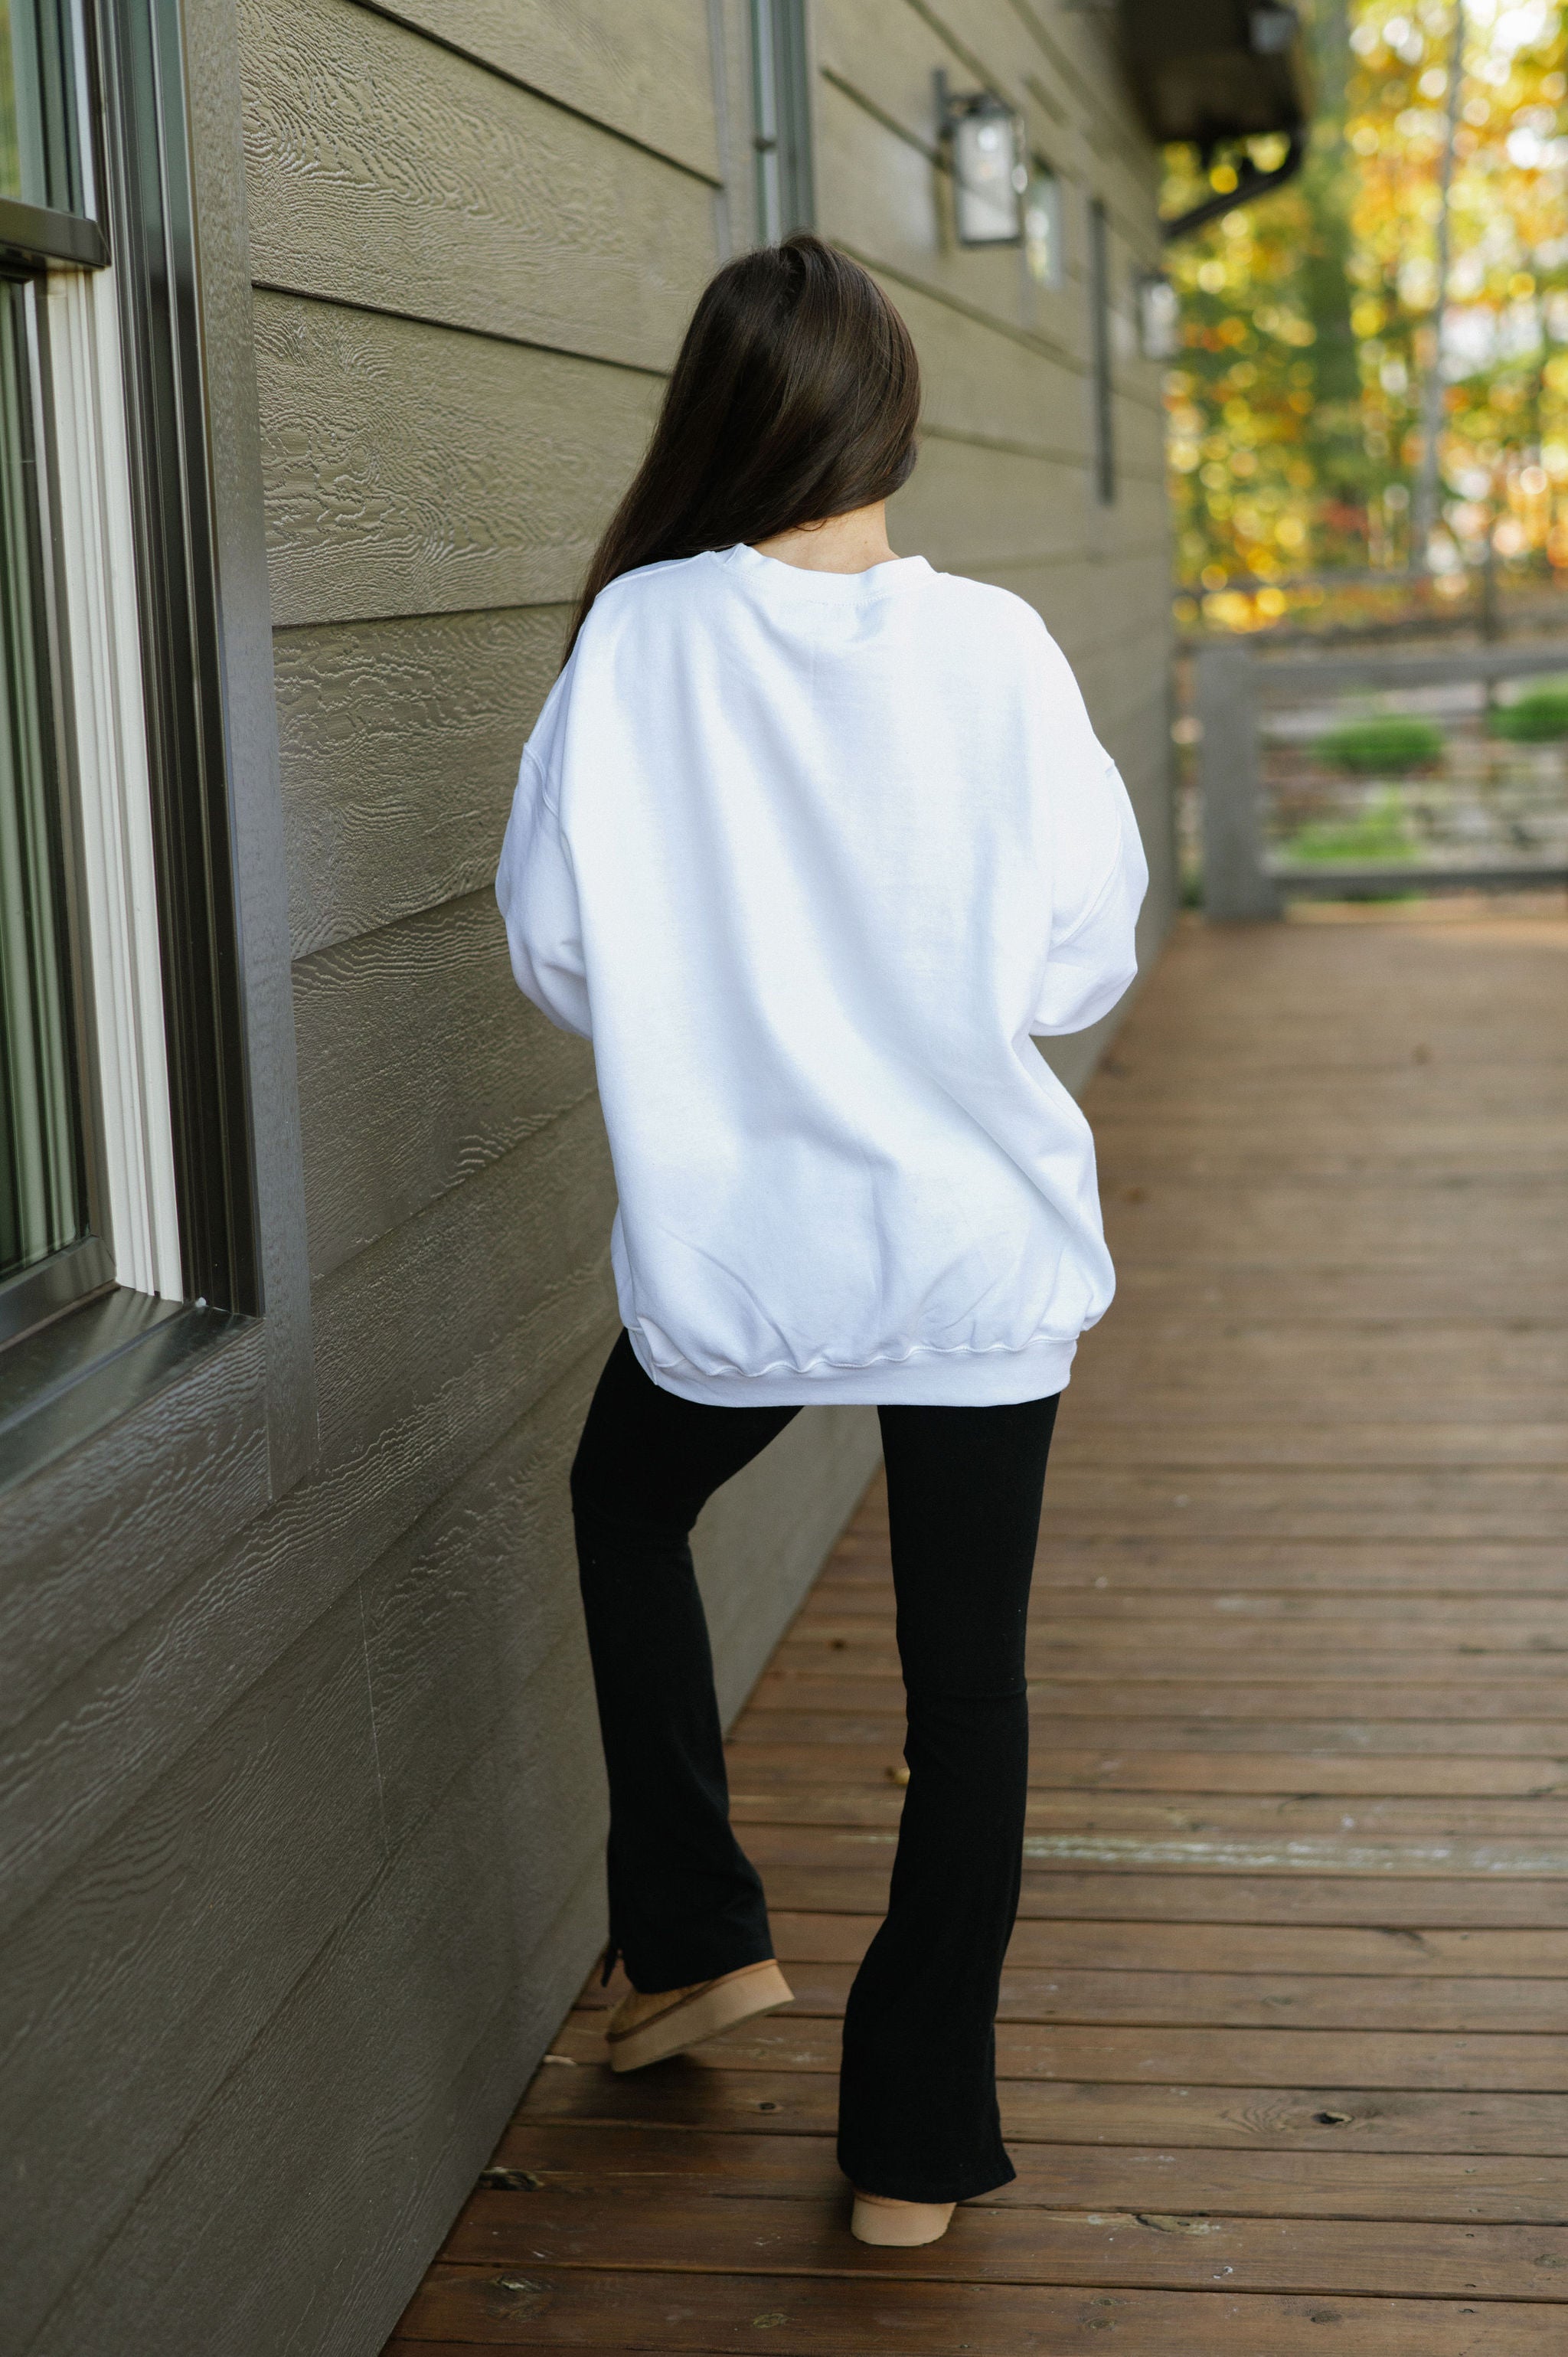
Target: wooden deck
x=1282, y=2031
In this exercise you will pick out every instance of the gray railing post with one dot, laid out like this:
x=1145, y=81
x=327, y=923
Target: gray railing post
x=1235, y=882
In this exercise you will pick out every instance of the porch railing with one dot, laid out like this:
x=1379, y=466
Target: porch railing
x=1244, y=877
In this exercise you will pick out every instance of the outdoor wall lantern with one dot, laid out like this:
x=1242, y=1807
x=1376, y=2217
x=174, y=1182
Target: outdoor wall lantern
x=984, y=139
x=1159, y=317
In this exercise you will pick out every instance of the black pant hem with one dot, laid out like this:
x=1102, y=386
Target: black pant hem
x=656, y=1977
x=873, y=2174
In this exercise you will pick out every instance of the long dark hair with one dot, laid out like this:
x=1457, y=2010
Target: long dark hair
x=795, y=397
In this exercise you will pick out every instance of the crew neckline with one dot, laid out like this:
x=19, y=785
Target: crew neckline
x=893, y=572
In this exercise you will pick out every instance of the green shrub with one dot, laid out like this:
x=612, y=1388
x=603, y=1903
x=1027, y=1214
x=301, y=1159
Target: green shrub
x=1385, y=744
x=1379, y=834
x=1537, y=716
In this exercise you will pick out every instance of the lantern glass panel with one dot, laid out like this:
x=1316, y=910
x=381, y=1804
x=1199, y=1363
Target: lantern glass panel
x=1159, y=319
x=988, y=177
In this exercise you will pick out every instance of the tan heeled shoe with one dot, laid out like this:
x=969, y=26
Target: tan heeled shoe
x=899, y=2225
x=646, y=2029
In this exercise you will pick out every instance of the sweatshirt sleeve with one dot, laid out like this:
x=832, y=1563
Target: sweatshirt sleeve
x=537, y=893
x=1092, y=957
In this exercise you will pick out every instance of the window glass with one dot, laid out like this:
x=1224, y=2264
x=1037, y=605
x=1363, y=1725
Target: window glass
x=43, y=1191
x=40, y=162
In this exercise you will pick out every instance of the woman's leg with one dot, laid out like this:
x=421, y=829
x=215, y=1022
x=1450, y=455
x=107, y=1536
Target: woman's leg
x=918, y=2117
x=685, y=1902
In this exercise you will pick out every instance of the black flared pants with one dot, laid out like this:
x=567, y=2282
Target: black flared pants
x=917, y=2116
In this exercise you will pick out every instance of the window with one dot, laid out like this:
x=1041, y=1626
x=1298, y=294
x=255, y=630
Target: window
x=45, y=182
x=45, y=1209
x=1045, y=228
x=782, y=104
x=124, y=1152
x=1100, y=343
x=52, y=1216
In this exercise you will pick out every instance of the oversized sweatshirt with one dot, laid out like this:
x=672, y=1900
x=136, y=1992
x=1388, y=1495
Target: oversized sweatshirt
x=812, y=858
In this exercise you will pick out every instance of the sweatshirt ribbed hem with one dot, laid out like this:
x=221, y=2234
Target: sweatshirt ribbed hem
x=923, y=1379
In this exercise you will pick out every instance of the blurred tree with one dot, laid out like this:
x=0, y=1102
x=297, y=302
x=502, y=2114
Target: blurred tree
x=1332, y=433
x=1312, y=319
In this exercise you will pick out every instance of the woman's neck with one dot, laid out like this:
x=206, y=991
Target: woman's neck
x=844, y=543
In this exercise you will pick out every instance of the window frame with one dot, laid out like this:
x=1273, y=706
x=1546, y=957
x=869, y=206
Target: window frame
x=43, y=1289
x=152, y=211
x=141, y=1327
x=46, y=233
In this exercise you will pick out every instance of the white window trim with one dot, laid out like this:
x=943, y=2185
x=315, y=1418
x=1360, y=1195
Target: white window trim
x=125, y=984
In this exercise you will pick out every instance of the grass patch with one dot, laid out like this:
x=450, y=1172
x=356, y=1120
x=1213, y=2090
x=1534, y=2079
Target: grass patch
x=1381, y=744
x=1537, y=717
x=1380, y=833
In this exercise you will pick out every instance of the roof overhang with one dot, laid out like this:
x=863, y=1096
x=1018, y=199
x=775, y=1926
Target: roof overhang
x=1209, y=70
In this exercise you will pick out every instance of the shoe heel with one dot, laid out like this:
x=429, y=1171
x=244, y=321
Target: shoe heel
x=899, y=2225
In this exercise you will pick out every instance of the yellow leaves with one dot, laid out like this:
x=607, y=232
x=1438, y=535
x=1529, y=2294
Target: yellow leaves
x=1232, y=609
x=1288, y=326
x=1281, y=454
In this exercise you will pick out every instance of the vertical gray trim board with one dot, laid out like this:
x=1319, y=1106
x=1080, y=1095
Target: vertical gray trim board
x=217, y=179
x=735, y=128
x=724, y=230
x=1102, y=387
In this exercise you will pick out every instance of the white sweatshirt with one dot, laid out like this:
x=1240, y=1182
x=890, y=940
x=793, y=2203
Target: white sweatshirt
x=808, y=856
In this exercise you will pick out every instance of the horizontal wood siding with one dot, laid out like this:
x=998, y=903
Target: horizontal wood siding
x=413, y=471
x=643, y=72
x=394, y=174
x=399, y=742
x=307, y=1785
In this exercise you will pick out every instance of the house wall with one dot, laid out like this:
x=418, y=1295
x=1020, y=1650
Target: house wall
x=299, y=1765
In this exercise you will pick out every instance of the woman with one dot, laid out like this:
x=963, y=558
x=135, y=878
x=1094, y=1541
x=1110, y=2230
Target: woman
x=811, y=841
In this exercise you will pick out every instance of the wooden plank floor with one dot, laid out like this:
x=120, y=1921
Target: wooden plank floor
x=1284, y=2037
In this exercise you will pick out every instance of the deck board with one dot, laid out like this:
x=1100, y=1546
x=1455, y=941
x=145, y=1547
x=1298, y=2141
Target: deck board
x=1284, y=2033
